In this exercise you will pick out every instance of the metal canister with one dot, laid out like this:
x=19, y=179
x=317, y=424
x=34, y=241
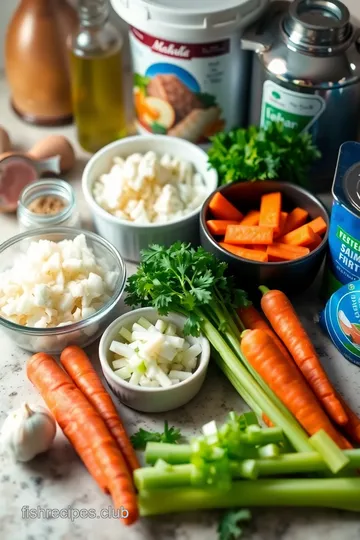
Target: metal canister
x=343, y=262
x=306, y=74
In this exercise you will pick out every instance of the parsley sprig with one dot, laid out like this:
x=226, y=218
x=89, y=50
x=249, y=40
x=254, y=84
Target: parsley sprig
x=170, y=435
x=262, y=154
x=184, y=280
x=229, y=526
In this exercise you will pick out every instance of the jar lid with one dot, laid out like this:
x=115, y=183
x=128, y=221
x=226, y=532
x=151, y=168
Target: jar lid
x=318, y=23
x=351, y=185
x=191, y=14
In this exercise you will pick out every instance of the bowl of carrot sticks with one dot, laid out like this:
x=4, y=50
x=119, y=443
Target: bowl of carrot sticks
x=267, y=232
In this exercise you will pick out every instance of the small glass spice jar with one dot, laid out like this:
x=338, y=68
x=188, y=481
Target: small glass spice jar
x=47, y=203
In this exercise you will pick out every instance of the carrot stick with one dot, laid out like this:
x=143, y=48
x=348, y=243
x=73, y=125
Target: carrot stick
x=253, y=320
x=217, y=227
x=221, y=208
x=279, y=231
x=259, y=247
x=316, y=243
x=243, y=234
x=318, y=225
x=79, y=422
x=303, y=236
x=245, y=253
x=270, y=210
x=280, y=252
x=287, y=383
x=78, y=366
x=251, y=218
x=295, y=219
x=283, y=318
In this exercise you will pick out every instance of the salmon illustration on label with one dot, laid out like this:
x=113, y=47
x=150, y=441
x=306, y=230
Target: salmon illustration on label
x=180, y=89
x=341, y=320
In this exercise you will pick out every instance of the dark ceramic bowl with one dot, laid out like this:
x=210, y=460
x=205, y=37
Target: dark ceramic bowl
x=290, y=276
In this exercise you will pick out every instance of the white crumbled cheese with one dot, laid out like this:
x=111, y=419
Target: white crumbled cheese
x=150, y=188
x=154, y=355
x=55, y=284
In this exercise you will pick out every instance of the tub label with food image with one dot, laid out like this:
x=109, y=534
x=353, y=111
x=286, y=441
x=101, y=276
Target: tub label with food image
x=341, y=320
x=298, y=112
x=184, y=89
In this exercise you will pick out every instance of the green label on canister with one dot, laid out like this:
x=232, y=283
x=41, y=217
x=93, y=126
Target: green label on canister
x=296, y=111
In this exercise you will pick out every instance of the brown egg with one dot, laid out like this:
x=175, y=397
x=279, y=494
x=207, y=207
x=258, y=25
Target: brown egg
x=53, y=145
x=5, y=143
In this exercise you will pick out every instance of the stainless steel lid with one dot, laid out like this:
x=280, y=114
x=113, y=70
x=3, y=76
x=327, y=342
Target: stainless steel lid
x=351, y=186
x=317, y=24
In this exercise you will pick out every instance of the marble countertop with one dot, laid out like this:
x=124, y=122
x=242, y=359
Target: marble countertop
x=58, y=479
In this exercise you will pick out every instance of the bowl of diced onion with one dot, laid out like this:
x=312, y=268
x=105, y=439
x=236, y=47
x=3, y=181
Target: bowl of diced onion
x=58, y=286
x=148, y=362
x=147, y=189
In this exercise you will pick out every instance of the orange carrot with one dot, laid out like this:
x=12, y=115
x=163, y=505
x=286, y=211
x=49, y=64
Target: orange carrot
x=253, y=320
x=316, y=243
x=251, y=218
x=270, y=210
x=221, y=208
x=78, y=366
x=318, y=225
x=295, y=219
x=217, y=227
x=259, y=247
x=80, y=422
x=283, y=218
x=245, y=253
x=303, y=236
x=243, y=234
x=282, y=253
x=267, y=420
x=284, y=320
x=352, y=427
x=288, y=384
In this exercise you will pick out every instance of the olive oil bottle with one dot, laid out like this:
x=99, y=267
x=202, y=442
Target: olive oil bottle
x=97, y=77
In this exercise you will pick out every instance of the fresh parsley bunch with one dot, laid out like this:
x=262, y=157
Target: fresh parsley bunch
x=187, y=281
x=255, y=153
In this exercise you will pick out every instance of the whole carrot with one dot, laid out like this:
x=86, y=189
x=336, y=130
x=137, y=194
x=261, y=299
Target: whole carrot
x=80, y=422
x=288, y=384
x=78, y=366
x=284, y=320
x=352, y=426
x=252, y=320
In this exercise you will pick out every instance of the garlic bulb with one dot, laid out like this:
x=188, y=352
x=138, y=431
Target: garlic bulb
x=28, y=431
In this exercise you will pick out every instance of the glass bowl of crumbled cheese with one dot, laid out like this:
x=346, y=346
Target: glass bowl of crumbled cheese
x=58, y=286
x=147, y=189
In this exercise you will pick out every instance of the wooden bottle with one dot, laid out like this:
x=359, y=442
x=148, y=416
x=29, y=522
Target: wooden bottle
x=36, y=61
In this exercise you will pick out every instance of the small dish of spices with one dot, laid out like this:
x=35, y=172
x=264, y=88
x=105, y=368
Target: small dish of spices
x=49, y=202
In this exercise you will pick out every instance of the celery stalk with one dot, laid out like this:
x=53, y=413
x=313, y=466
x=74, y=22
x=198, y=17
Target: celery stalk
x=329, y=451
x=340, y=493
x=171, y=453
x=151, y=478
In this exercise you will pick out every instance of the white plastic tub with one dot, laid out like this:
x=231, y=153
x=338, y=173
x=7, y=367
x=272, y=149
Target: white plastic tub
x=190, y=76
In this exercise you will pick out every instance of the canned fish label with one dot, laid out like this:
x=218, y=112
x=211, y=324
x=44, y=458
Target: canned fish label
x=343, y=262
x=188, y=90
x=298, y=112
x=341, y=320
